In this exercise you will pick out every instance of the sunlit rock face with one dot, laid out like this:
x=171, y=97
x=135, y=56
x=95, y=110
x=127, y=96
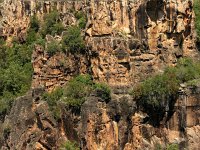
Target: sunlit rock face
x=30, y=124
x=136, y=38
x=119, y=124
x=128, y=40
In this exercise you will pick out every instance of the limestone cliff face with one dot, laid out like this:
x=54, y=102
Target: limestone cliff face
x=115, y=125
x=30, y=125
x=110, y=127
x=135, y=38
x=127, y=41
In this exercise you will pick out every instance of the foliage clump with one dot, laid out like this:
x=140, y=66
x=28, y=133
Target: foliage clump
x=103, y=91
x=53, y=101
x=73, y=41
x=82, y=19
x=70, y=146
x=52, y=24
x=77, y=90
x=74, y=94
x=53, y=47
x=156, y=93
x=172, y=147
x=15, y=73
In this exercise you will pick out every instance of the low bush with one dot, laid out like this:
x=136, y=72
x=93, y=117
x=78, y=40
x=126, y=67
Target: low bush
x=74, y=94
x=82, y=19
x=73, y=41
x=52, y=100
x=15, y=74
x=53, y=47
x=172, y=147
x=34, y=24
x=70, y=146
x=159, y=92
x=82, y=23
x=77, y=90
x=52, y=24
x=154, y=91
x=103, y=91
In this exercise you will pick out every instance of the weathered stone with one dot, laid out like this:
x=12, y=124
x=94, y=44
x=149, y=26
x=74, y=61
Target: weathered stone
x=30, y=124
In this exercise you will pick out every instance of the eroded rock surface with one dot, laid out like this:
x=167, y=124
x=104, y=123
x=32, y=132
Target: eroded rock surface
x=127, y=40
x=120, y=125
x=30, y=125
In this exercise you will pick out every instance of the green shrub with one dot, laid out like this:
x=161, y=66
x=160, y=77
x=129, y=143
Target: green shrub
x=32, y=31
x=158, y=146
x=3, y=56
x=40, y=41
x=172, y=147
x=52, y=24
x=72, y=41
x=82, y=23
x=58, y=28
x=52, y=100
x=77, y=90
x=187, y=69
x=34, y=23
x=79, y=14
x=15, y=74
x=31, y=36
x=4, y=107
x=156, y=92
x=53, y=47
x=74, y=94
x=82, y=19
x=70, y=146
x=103, y=91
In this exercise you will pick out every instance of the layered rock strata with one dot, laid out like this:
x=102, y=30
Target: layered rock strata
x=131, y=39
x=126, y=41
x=30, y=125
x=102, y=125
x=110, y=127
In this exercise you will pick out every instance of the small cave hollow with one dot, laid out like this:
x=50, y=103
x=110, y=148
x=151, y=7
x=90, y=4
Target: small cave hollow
x=154, y=9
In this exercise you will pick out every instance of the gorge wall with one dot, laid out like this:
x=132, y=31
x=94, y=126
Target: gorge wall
x=115, y=125
x=127, y=41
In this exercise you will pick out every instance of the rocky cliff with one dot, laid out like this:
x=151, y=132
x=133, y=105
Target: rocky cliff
x=118, y=124
x=30, y=125
x=127, y=41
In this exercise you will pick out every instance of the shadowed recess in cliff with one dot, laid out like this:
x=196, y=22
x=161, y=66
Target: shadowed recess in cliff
x=154, y=9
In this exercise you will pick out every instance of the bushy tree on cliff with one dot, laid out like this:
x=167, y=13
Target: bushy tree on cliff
x=73, y=41
x=74, y=94
x=52, y=24
x=158, y=93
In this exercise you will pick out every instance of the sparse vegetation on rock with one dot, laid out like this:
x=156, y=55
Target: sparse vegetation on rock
x=74, y=94
x=70, y=146
x=53, y=47
x=52, y=24
x=156, y=93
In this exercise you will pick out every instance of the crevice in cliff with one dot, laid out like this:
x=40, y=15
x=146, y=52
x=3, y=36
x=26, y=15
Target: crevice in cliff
x=44, y=145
